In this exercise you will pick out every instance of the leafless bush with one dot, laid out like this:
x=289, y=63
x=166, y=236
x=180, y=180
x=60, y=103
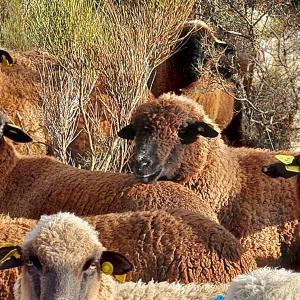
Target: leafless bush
x=60, y=95
x=266, y=35
x=115, y=47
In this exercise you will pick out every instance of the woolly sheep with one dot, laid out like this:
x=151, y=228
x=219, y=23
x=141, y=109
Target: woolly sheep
x=190, y=58
x=189, y=72
x=265, y=284
x=19, y=96
x=31, y=186
x=175, y=140
x=163, y=245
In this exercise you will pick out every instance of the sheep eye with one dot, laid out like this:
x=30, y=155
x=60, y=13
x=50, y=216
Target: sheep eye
x=33, y=261
x=89, y=265
x=93, y=266
x=29, y=263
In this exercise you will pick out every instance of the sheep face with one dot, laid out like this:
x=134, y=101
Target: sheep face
x=162, y=130
x=63, y=259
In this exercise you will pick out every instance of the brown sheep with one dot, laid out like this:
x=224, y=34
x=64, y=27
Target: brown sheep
x=19, y=96
x=31, y=186
x=190, y=72
x=21, y=102
x=172, y=245
x=175, y=140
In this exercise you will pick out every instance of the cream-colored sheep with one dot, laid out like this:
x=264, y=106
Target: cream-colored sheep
x=62, y=258
x=265, y=284
x=171, y=245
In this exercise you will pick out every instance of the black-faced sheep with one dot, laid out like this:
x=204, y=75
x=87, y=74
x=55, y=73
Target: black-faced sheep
x=162, y=245
x=175, y=140
x=31, y=186
x=265, y=284
x=191, y=72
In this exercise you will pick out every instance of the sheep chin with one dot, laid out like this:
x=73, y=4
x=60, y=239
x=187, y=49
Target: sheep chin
x=149, y=178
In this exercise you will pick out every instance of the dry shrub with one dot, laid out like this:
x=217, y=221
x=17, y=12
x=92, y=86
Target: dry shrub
x=266, y=35
x=107, y=50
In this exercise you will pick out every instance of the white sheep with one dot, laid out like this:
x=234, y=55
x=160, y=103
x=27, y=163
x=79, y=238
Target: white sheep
x=164, y=245
x=265, y=284
x=62, y=258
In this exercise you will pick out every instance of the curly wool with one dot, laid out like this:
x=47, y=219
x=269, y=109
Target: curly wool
x=165, y=290
x=265, y=283
x=173, y=245
x=31, y=186
x=262, y=212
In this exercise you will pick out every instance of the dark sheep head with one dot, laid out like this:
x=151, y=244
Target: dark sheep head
x=62, y=258
x=282, y=169
x=163, y=129
x=13, y=132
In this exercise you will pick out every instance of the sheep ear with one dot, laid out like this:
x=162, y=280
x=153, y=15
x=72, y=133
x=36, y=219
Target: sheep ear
x=127, y=132
x=192, y=131
x=10, y=256
x=16, y=134
x=278, y=170
x=116, y=263
x=5, y=56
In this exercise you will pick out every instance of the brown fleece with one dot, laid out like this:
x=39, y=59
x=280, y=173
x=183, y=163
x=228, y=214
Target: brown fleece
x=20, y=100
x=261, y=211
x=12, y=231
x=31, y=186
x=172, y=245
x=216, y=96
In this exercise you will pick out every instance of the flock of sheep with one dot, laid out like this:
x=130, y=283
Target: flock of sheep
x=197, y=219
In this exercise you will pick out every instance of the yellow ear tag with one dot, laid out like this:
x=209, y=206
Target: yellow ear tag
x=10, y=254
x=286, y=159
x=120, y=278
x=13, y=126
x=5, y=245
x=295, y=169
x=107, y=268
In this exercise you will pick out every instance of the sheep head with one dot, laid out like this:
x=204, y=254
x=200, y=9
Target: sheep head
x=13, y=132
x=288, y=166
x=163, y=129
x=62, y=258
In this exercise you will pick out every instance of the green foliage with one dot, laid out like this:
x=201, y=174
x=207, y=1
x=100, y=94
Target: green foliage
x=12, y=25
x=65, y=28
